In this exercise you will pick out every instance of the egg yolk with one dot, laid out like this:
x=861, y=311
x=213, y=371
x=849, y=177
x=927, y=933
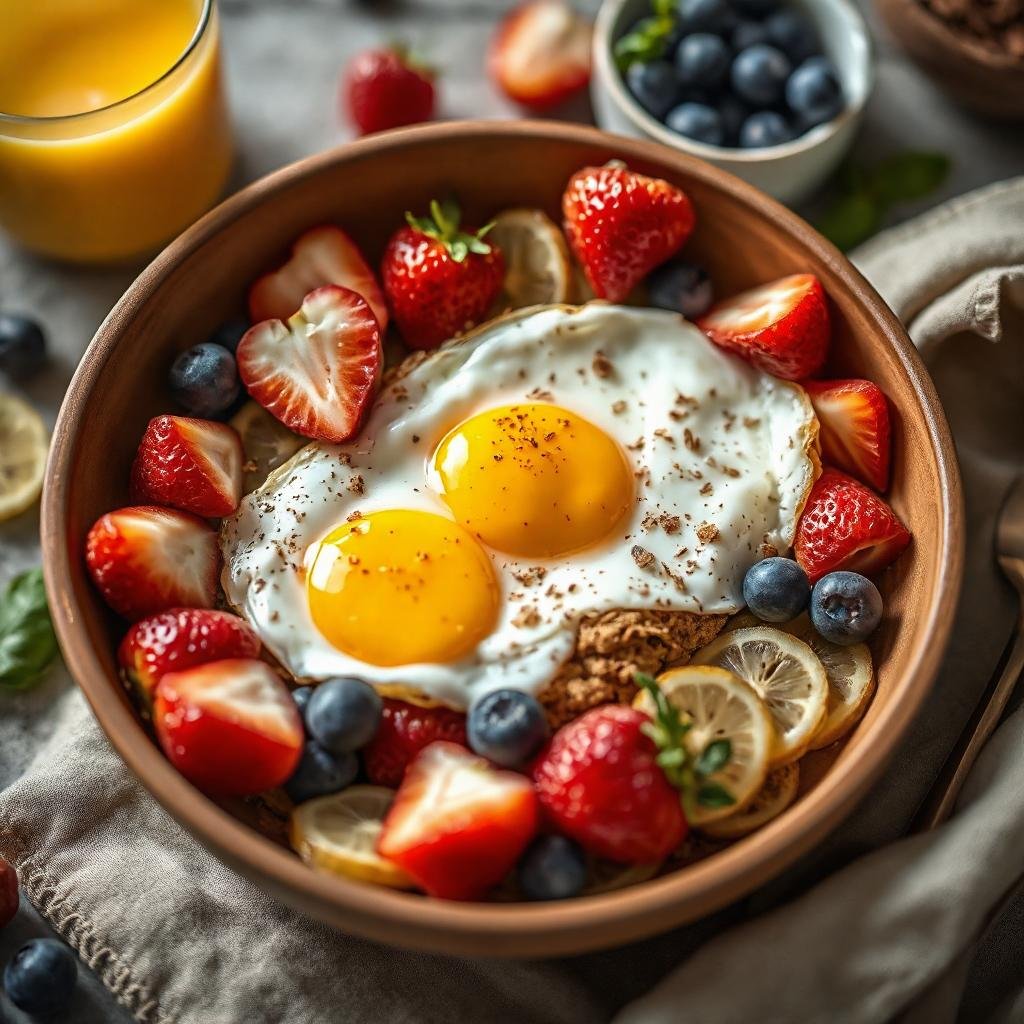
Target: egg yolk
x=534, y=480
x=401, y=587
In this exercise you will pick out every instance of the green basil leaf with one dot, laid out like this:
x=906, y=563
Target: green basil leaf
x=851, y=220
x=715, y=756
x=711, y=794
x=27, y=641
x=908, y=176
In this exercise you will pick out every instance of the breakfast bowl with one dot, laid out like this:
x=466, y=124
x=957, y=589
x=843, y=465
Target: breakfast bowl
x=791, y=170
x=742, y=238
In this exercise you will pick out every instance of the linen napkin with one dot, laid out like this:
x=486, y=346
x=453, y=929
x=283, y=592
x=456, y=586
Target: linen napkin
x=177, y=937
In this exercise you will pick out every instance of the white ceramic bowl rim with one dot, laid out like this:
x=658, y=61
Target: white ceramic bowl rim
x=606, y=69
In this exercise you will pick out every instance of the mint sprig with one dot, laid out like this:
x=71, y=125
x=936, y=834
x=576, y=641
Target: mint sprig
x=866, y=193
x=691, y=776
x=649, y=38
x=443, y=225
x=27, y=641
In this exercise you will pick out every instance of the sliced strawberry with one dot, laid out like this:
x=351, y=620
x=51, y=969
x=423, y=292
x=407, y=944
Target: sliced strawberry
x=540, y=54
x=230, y=727
x=782, y=328
x=458, y=825
x=621, y=225
x=405, y=729
x=322, y=255
x=317, y=373
x=855, y=434
x=145, y=559
x=194, y=465
x=846, y=526
x=182, y=638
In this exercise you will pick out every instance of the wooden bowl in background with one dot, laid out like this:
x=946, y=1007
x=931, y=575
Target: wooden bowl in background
x=979, y=77
x=743, y=238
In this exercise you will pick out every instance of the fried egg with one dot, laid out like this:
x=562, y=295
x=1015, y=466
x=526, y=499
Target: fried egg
x=554, y=463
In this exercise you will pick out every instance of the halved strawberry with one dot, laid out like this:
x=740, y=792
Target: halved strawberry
x=194, y=465
x=621, y=225
x=782, y=328
x=317, y=373
x=458, y=825
x=404, y=730
x=230, y=727
x=846, y=526
x=321, y=255
x=145, y=559
x=855, y=435
x=540, y=54
x=182, y=638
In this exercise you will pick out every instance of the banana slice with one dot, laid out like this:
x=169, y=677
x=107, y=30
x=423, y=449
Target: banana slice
x=787, y=676
x=719, y=706
x=777, y=793
x=266, y=442
x=23, y=446
x=537, y=269
x=338, y=833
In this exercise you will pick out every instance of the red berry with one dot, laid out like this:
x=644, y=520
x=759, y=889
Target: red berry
x=194, y=465
x=8, y=893
x=599, y=783
x=182, y=638
x=384, y=89
x=439, y=279
x=855, y=432
x=319, y=372
x=145, y=560
x=782, y=328
x=621, y=225
x=405, y=729
x=846, y=526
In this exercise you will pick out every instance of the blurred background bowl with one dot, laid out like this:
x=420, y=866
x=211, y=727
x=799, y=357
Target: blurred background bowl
x=789, y=172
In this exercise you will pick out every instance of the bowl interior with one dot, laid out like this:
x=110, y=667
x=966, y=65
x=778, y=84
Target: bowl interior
x=743, y=238
x=845, y=39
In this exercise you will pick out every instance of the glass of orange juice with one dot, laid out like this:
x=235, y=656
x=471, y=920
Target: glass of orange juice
x=114, y=130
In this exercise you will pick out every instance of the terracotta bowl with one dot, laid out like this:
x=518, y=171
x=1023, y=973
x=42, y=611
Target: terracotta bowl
x=984, y=79
x=743, y=238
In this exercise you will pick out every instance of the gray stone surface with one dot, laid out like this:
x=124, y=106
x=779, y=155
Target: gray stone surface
x=283, y=58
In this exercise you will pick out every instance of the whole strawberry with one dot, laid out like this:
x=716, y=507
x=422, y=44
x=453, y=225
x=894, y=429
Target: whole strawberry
x=386, y=89
x=404, y=730
x=599, y=783
x=621, y=225
x=439, y=279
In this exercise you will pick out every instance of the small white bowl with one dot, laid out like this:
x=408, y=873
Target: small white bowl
x=789, y=172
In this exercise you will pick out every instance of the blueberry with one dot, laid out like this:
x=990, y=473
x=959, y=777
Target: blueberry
x=702, y=60
x=681, y=287
x=301, y=697
x=654, y=86
x=755, y=8
x=776, y=589
x=814, y=93
x=553, y=868
x=204, y=380
x=765, y=128
x=320, y=772
x=229, y=334
x=845, y=607
x=793, y=34
x=748, y=33
x=343, y=714
x=41, y=976
x=759, y=74
x=697, y=121
x=733, y=113
x=22, y=346
x=506, y=726
x=705, y=16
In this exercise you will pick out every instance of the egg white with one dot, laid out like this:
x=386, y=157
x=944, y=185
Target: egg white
x=727, y=449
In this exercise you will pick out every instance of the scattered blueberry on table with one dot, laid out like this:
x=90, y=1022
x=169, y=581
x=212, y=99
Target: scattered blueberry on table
x=730, y=73
x=40, y=978
x=22, y=346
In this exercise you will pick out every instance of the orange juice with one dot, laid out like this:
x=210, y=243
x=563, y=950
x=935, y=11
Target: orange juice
x=114, y=132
